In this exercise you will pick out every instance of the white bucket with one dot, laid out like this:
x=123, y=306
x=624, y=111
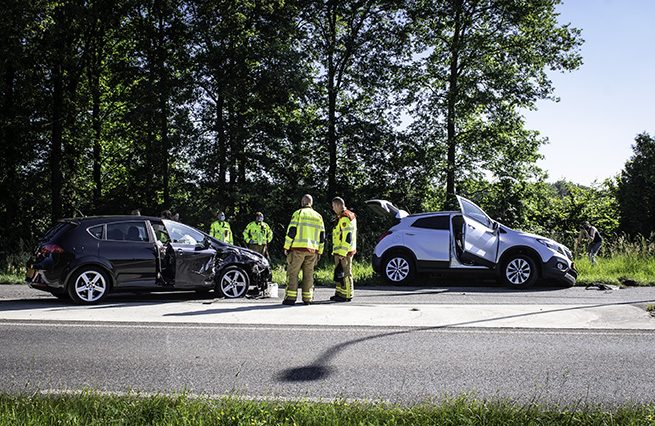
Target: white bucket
x=271, y=291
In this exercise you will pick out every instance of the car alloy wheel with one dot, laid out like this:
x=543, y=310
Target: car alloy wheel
x=398, y=270
x=233, y=282
x=520, y=271
x=89, y=286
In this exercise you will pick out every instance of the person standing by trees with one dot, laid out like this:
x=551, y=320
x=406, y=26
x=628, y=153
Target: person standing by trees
x=595, y=240
x=303, y=246
x=258, y=235
x=221, y=229
x=344, y=247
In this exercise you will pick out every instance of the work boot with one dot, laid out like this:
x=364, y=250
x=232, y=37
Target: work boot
x=337, y=298
x=307, y=302
x=288, y=302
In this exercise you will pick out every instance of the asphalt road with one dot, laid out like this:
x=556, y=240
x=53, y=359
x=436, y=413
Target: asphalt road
x=554, y=346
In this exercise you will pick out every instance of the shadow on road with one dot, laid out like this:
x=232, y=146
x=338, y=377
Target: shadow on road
x=320, y=369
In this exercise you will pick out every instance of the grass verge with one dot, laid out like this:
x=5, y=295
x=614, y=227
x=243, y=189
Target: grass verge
x=98, y=409
x=620, y=270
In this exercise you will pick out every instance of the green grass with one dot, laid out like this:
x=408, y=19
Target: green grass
x=622, y=262
x=620, y=270
x=88, y=408
x=363, y=274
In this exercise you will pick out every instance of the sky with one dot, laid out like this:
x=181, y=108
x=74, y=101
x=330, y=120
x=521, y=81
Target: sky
x=608, y=101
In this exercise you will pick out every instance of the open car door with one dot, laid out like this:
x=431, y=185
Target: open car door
x=194, y=256
x=480, y=235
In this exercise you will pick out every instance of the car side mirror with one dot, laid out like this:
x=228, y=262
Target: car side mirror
x=204, y=245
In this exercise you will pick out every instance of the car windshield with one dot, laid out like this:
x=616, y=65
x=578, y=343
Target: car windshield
x=182, y=234
x=472, y=211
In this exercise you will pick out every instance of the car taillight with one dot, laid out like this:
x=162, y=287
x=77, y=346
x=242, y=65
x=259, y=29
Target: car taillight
x=51, y=248
x=384, y=235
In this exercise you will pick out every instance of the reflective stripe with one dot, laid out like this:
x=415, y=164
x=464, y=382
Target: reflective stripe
x=309, y=228
x=344, y=236
x=258, y=233
x=221, y=231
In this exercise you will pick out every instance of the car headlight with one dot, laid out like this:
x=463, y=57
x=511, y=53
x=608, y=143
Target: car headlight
x=552, y=245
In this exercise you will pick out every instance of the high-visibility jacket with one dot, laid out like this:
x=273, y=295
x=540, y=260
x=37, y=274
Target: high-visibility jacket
x=305, y=231
x=221, y=231
x=257, y=233
x=344, y=234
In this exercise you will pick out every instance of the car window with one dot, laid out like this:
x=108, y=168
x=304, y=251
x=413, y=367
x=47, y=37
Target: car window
x=96, y=231
x=182, y=234
x=161, y=234
x=127, y=231
x=472, y=211
x=432, y=222
x=60, y=228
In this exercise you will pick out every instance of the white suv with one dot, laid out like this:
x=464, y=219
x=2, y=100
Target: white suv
x=466, y=240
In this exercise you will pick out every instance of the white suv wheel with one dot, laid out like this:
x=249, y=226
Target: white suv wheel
x=398, y=270
x=520, y=271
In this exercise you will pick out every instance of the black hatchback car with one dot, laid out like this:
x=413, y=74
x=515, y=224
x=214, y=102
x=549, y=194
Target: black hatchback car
x=87, y=258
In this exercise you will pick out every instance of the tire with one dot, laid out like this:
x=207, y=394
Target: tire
x=398, y=269
x=88, y=286
x=519, y=271
x=233, y=282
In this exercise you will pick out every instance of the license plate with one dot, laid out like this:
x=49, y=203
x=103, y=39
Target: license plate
x=30, y=273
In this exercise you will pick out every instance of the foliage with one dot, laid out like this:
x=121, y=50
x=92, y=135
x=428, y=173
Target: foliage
x=479, y=63
x=133, y=409
x=636, y=188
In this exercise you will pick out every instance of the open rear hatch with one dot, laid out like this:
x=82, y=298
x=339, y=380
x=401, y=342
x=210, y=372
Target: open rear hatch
x=386, y=209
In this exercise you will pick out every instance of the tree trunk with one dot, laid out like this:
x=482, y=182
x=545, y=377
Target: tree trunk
x=97, y=136
x=332, y=105
x=9, y=149
x=451, y=99
x=222, y=151
x=56, y=179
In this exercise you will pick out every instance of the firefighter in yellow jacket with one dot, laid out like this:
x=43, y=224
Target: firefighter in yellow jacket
x=221, y=229
x=303, y=246
x=344, y=247
x=258, y=234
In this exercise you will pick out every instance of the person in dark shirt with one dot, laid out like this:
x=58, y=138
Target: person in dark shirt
x=595, y=240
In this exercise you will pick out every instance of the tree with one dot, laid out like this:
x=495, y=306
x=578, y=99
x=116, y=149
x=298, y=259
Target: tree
x=636, y=188
x=356, y=44
x=252, y=79
x=480, y=62
x=19, y=102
